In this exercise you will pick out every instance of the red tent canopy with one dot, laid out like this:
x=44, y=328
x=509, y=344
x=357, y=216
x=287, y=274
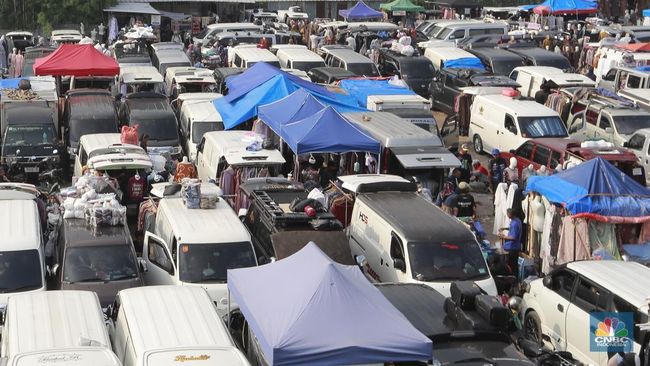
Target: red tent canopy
x=635, y=47
x=76, y=60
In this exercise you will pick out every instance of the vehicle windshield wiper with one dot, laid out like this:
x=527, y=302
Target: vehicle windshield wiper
x=122, y=277
x=19, y=288
x=476, y=359
x=94, y=279
x=477, y=275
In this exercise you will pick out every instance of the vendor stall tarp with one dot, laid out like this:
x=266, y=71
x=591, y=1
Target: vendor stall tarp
x=309, y=310
x=132, y=8
x=360, y=11
x=635, y=47
x=645, y=12
x=401, y=5
x=464, y=63
x=595, y=186
x=327, y=132
x=264, y=84
x=294, y=107
x=360, y=89
x=76, y=60
x=570, y=7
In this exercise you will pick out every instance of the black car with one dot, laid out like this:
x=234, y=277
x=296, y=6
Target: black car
x=221, y=76
x=498, y=61
x=453, y=341
x=416, y=71
x=535, y=56
x=447, y=84
x=329, y=75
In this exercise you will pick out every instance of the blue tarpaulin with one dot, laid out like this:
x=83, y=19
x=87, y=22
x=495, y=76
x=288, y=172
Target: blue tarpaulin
x=264, y=84
x=294, y=107
x=360, y=89
x=645, y=12
x=309, y=310
x=464, y=63
x=10, y=83
x=327, y=132
x=360, y=11
x=560, y=7
x=597, y=187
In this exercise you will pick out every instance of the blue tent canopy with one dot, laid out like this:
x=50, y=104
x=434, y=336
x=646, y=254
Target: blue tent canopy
x=360, y=11
x=294, y=107
x=10, y=83
x=595, y=186
x=560, y=7
x=645, y=12
x=327, y=132
x=464, y=63
x=360, y=89
x=309, y=310
x=264, y=84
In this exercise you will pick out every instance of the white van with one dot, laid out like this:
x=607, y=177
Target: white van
x=22, y=257
x=221, y=149
x=212, y=30
x=438, y=55
x=56, y=327
x=446, y=34
x=379, y=103
x=105, y=151
x=503, y=122
x=173, y=77
x=196, y=118
x=405, y=238
x=299, y=59
x=531, y=79
x=245, y=57
x=195, y=247
x=170, y=325
x=134, y=79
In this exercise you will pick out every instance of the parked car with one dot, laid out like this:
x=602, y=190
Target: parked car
x=102, y=260
x=346, y=58
x=31, y=54
x=415, y=71
x=19, y=40
x=212, y=30
x=293, y=12
x=536, y=56
x=556, y=309
x=639, y=144
x=221, y=76
x=133, y=79
x=446, y=33
x=618, y=78
x=447, y=84
x=498, y=61
x=531, y=78
x=62, y=36
x=299, y=59
x=551, y=152
x=245, y=57
x=197, y=117
x=454, y=342
x=329, y=75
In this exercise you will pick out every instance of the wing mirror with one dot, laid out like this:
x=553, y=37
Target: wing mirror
x=142, y=264
x=547, y=282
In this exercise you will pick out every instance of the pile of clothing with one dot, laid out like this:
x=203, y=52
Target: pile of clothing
x=193, y=198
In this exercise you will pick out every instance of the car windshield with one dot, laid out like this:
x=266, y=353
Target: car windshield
x=418, y=70
x=203, y=33
x=560, y=63
x=364, y=69
x=533, y=127
x=158, y=129
x=442, y=261
x=306, y=65
x=202, y=87
x=80, y=128
x=209, y=262
x=99, y=263
x=20, y=270
x=627, y=125
x=505, y=67
x=200, y=128
x=443, y=35
x=30, y=135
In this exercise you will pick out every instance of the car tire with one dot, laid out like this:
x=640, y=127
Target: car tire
x=533, y=327
x=478, y=144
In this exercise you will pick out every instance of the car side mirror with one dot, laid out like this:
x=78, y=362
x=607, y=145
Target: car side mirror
x=547, y=282
x=242, y=213
x=399, y=264
x=142, y=264
x=54, y=270
x=626, y=144
x=530, y=348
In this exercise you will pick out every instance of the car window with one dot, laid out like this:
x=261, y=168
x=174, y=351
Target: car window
x=476, y=32
x=509, y=124
x=542, y=154
x=525, y=150
x=636, y=142
x=605, y=122
x=158, y=256
x=514, y=74
x=591, y=117
x=458, y=34
x=396, y=248
x=577, y=124
x=590, y=297
x=556, y=157
x=562, y=283
x=611, y=75
x=634, y=81
x=449, y=81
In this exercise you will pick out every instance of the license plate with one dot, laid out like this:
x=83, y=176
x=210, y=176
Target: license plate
x=636, y=171
x=31, y=169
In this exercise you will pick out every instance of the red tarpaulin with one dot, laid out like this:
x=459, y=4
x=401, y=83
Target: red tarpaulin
x=76, y=60
x=635, y=47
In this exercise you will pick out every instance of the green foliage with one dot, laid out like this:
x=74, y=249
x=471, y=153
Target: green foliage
x=50, y=14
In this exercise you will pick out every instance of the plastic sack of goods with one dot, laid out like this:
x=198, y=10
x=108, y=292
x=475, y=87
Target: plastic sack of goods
x=194, y=199
x=96, y=209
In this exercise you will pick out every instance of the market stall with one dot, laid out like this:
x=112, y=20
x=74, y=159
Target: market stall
x=285, y=301
x=360, y=11
x=76, y=60
x=590, y=211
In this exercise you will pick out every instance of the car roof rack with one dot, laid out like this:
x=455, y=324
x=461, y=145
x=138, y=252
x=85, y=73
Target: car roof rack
x=275, y=215
x=609, y=102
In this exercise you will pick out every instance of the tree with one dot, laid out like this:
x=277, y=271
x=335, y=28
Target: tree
x=57, y=13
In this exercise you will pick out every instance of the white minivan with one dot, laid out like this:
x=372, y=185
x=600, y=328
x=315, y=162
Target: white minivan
x=503, y=122
x=531, y=78
x=299, y=59
x=196, y=118
x=195, y=247
x=56, y=328
x=406, y=238
x=22, y=256
x=170, y=325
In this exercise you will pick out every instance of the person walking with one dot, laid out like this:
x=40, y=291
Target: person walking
x=496, y=166
x=465, y=163
x=464, y=204
x=512, y=241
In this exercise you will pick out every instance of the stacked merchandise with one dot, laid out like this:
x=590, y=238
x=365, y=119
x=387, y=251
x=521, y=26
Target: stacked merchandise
x=95, y=199
x=193, y=198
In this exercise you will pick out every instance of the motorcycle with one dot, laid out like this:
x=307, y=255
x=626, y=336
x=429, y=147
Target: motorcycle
x=543, y=356
x=45, y=174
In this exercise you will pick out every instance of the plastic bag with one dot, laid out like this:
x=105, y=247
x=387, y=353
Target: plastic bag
x=191, y=193
x=129, y=135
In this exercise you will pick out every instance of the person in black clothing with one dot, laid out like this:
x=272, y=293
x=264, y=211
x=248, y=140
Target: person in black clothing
x=464, y=204
x=144, y=141
x=542, y=94
x=496, y=166
x=465, y=164
x=454, y=179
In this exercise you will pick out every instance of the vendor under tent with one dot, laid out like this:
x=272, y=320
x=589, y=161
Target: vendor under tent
x=590, y=211
x=76, y=60
x=285, y=301
x=263, y=84
x=401, y=5
x=360, y=11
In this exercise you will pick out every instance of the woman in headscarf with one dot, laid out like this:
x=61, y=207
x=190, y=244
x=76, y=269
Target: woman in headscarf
x=20, y=61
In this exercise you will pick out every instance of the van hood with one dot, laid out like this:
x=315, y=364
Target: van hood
x=106, y=291
x=425, y=157
x=218, y=293
x=81, y=356
x=194, y=356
